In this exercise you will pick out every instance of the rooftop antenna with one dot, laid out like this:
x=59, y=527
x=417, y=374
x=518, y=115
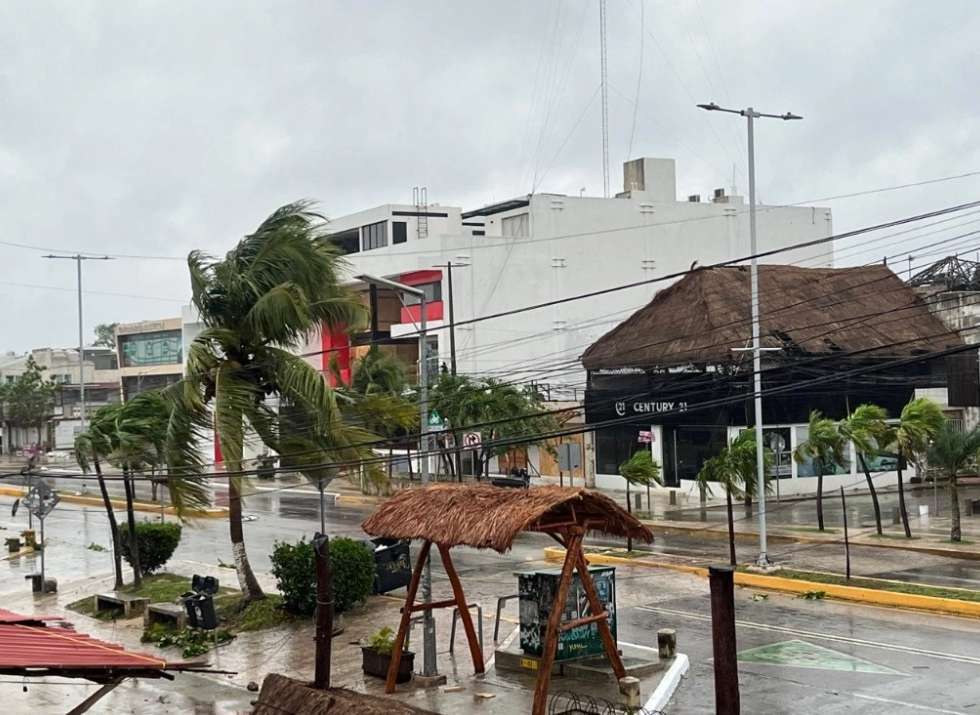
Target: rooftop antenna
x=603, y=81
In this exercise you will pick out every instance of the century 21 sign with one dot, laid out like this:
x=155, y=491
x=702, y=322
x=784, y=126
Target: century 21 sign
x=623, y=407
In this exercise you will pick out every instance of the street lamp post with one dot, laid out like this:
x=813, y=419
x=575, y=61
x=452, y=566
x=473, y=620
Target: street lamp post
x=429, y=667
x=78, y=258
x=751, y=115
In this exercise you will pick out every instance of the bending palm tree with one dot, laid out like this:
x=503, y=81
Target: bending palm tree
x=866, y=428
x=952, y=450
x=277, y=286
x=825, y=446
x=720, y=470
x=921, y=419
x=741, y=459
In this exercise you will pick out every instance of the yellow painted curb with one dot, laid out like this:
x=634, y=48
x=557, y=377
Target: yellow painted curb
x=23, y=552
x=209, y=513
x=872, y=596
x=355, y=500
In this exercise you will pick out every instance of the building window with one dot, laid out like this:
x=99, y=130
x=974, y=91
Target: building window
x=346, y=241
x=399, y=232
x=433, y=292
x=374, y=235
x=158, y=348
x=516, y=226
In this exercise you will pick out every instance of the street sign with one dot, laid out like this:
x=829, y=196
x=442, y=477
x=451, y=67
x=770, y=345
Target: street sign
x=41, y=499
x=472, y=440
x=646, y=436
x=569, y=456
x=435, y=419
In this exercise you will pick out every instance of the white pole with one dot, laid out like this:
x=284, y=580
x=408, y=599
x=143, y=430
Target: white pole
x=756, y=352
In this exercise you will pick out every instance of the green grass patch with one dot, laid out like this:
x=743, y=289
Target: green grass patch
x=624, y=554
x=159, y=588
x=259, y=615
x=959, y=594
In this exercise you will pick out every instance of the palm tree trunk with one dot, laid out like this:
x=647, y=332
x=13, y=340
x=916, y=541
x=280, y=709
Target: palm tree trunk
x=629, y=510
x=954, y=509
x=411, y=469
x=251, y=591
x=134, y=547
x=902, y=509
x=874, y=494
x=113, y=525
x=820, y=497
x=731, y=527
x=703, y=500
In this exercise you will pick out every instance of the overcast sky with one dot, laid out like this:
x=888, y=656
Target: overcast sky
x=152, y=128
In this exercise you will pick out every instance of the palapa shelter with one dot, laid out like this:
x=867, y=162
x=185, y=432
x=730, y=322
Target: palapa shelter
x=679, y=367
x=486, y=517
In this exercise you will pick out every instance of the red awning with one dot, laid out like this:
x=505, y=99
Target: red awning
x=31, y=645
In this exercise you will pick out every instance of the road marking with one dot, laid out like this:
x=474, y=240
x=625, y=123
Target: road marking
x=913, y=706
x=823, y=636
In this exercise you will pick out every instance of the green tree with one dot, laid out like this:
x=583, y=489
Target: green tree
x=868, y=431
x=105, y=335
x=919, y=422
x=29, y=400
x=641, y=469
x=277, y=286
x=741, y=458
x=720, y=470
x=952, y=450
x=825, y=446
x=132, y=437
x=380, y=393
x=506, y=415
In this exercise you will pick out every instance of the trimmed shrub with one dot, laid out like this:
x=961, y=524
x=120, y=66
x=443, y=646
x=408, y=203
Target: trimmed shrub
x=157, y=543
x=353, y=572
x=294, y=566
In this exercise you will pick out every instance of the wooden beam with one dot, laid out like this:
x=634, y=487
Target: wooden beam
x=413, y=587
x=569, y=625
x=464, y=613
x=550, y=644
x=87, y=703
x=605, y=633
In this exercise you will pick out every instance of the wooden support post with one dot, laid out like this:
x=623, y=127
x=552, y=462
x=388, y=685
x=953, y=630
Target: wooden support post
x=722, y=583
x=605, y=633
x=324, y=612
x=550, y=645
x=413, y=587
x=464, y=613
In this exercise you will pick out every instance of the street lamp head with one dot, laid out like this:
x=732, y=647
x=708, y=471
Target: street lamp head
x=711, y=106
x=790, y=115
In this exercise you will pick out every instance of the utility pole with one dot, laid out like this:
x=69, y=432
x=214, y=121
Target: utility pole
x=751, y=115
x=429, y=668
x=78, y=258
x=449, y=265
x=604, y=82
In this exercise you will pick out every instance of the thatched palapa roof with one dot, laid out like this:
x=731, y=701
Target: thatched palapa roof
x=805, y=311
x=487, y=517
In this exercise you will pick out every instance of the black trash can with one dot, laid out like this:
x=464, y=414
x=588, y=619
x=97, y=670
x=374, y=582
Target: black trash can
x=393, y=564
x=201, y=613
x=188, y=600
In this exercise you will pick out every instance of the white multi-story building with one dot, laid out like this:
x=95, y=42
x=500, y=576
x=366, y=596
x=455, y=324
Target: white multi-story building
x=542, y=248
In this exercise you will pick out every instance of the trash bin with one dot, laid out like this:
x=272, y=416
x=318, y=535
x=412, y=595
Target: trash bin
x=188, y=600
x=200, y=611
x=393, y=564
x=204, y=584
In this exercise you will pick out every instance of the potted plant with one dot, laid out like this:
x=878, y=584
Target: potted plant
x=376, y=654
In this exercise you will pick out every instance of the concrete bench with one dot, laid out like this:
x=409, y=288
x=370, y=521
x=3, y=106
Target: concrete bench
x=169, y=614
x=125, y=603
